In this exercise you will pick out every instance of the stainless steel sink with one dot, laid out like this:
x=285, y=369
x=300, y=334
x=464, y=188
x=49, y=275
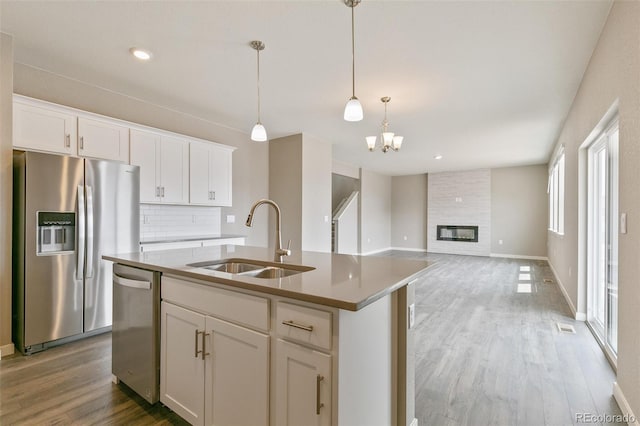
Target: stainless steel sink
x=253, y=268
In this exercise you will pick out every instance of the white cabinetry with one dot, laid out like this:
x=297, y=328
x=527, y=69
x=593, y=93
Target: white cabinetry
x=209, y=174
x=164, y=167
x=43, y=129
x=303, y=386
x=103, y=139
x=42, y=126
x=214, y=366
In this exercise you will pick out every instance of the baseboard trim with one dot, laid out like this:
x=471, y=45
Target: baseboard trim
x=414, y=422
x=6, y=350
x=579, y=316
x=376, y=251
x=627, y=413
x=409, y=249
x=519, y=256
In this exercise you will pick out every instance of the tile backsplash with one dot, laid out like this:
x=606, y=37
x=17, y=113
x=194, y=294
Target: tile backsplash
x=157, y=220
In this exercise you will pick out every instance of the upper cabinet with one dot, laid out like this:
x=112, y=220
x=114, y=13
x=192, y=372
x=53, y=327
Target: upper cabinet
x=210, y=174
x=44, y=129
x=42, y=126
x=102, y=139
x=174, y=168
x=164, y=167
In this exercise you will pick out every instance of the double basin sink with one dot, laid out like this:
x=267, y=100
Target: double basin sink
x=252, y=268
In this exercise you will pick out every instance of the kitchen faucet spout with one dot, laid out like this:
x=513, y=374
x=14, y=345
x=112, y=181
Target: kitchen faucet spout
x=279, y=251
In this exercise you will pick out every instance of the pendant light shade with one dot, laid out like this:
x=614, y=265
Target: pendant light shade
x=258, y=133
x=353, y=109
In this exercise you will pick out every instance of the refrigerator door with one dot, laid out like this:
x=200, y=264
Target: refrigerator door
x=112, y=192
x=51, y=289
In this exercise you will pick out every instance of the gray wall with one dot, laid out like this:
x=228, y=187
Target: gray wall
x=6, y=179
x=519, y=212
x=409, y=212
x=285, y=188
x=300, y=182
x=375, y=212
x=460, y=198
x=250, y=160
x=612, y=75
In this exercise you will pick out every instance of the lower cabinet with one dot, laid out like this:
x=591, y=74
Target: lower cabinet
x=303, y=386
x=213, y=371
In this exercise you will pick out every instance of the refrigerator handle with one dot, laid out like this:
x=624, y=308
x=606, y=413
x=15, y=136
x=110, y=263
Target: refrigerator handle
x=89, y=232
x=81, y=234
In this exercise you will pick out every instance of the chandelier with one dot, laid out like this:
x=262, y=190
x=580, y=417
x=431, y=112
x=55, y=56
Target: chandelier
x=390, y=141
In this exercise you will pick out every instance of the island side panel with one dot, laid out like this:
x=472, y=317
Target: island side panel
x=367, y=364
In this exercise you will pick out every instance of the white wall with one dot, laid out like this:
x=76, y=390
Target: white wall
x=460, y=198
x=375, y=212
x=409, y=212
x=519, y=211
x=613, y=74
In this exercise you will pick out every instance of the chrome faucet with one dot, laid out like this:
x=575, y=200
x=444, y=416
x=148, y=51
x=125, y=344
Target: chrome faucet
x=280, y=252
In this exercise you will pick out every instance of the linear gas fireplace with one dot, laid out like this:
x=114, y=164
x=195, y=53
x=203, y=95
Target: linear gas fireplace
x=457, y=233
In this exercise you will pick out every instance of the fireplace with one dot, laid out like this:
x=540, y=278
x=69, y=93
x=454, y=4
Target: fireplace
x=457, y=233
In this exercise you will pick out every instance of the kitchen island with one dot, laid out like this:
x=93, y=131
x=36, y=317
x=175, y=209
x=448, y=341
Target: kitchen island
x=330, y=345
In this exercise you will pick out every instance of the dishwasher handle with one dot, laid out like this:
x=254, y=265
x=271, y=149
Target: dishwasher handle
x=127, y=282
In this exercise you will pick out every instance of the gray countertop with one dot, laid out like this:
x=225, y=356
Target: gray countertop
x=175, y=239
x=338, y=280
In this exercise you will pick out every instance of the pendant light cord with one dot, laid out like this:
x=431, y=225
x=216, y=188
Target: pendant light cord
x=353, y=53
x=258, y=82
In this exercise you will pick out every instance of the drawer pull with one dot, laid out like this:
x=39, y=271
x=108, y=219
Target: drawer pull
x=197, y=351
x=319, y=405
x=300, y=326
x=204, y=344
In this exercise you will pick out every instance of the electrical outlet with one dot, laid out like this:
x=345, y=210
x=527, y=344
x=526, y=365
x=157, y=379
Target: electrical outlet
x=231, y=218
x=500, y=242
x=326, y=219
x=405, y=238
x=146, y=219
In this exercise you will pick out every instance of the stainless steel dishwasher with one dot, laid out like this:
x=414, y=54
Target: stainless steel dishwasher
x=135, y=352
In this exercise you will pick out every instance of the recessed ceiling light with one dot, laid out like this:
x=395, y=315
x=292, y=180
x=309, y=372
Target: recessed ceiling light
x=438, y=157
x=143, y=55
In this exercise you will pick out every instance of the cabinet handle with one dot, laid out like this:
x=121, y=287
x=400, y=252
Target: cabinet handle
x=67, y=140
x=319, y=405
x=204, y=344
x=162, y=191
x=81, y=142
x=213, y=195
x=157, y=191
x=197, y=352
x=300, y=326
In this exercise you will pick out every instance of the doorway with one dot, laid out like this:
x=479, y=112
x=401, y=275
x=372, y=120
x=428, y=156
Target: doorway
x=602, y=238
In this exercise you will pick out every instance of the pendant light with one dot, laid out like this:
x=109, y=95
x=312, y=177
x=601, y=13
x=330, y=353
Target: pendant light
x=390, y=141
x=353, y=109
x=258, y=133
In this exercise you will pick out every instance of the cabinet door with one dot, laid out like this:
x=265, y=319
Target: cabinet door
x=103, y=140
x=182, y=369
x=303, y=386
x=145, y=152
x=237, y=376
x=43, y=129
x=199, y=192
x=174, y=170
x=220, y=175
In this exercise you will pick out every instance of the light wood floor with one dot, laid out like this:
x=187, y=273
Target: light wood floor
x=488, y=355
x=485, y=355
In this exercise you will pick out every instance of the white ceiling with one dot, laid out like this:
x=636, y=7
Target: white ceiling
x=485, y=84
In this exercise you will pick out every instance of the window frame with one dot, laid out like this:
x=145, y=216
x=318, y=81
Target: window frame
x=555, y=189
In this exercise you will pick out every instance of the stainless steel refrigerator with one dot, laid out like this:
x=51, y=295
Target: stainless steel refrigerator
x=67, y=212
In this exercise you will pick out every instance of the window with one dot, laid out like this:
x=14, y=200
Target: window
x=555, y=189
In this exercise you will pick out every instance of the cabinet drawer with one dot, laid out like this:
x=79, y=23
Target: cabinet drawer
x=304, y=325
x=244, y=309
